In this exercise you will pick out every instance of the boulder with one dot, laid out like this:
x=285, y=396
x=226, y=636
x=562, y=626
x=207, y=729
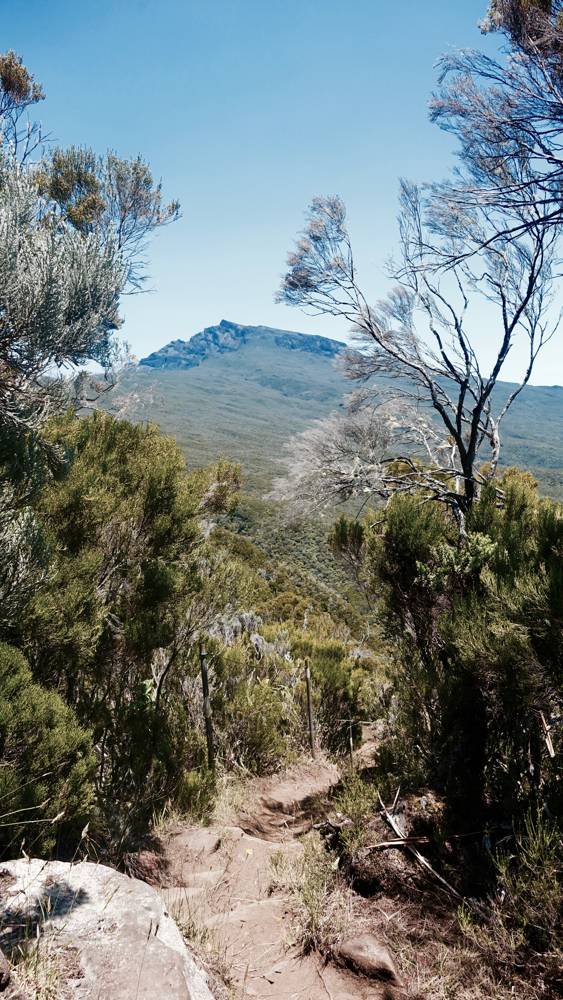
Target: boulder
x=123, y=943
x=5, y=974
x=367, y=957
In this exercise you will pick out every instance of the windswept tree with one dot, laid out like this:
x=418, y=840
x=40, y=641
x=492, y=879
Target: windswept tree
x=59, y=299
x=530, y=24
x=420, y=341
x=507, y=114
x=74, y=229
x=18, y=92
x=110, y=197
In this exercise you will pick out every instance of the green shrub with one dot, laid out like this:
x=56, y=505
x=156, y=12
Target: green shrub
x=195, y=794
x=479, y=641
x=321, y=906
x=335, y=696
x=357, y=800
x=531, y=881
x=132, y=582
x=525, y=920
x=255, y=734
x=46, y=761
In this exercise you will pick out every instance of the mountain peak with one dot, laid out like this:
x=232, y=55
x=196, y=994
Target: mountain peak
x=228, y=336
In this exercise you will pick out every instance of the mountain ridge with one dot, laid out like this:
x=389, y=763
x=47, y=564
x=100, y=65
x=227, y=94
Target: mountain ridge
x=245, y=391
x=227, y=337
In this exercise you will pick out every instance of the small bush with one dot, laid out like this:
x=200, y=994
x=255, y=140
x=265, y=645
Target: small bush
x=255, y=725
x=526, y=915
x=531, y=884
x=47, y=763
x=356, y=801
x=195, y=795
x=321, y=911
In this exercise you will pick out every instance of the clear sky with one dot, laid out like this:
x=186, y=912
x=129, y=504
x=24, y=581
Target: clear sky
x=246, y=109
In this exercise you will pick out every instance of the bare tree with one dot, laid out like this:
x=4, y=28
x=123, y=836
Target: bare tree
x=508, y=118
x=365, y=452
x=418, y=339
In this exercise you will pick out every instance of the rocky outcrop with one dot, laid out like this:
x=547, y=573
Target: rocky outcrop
x=111, y=931
x=228, y=337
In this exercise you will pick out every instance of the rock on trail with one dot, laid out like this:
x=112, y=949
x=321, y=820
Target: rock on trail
x=110, y=934
x=117, y=938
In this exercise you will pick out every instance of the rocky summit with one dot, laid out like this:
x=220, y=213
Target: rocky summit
x=227, y=337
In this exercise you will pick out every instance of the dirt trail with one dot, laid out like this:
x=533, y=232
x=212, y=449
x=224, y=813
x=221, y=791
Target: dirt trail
x=220, y=878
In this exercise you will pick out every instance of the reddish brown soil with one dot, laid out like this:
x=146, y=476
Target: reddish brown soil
x=219, y=880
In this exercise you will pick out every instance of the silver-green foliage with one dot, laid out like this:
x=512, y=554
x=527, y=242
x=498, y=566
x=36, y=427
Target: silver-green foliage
x=59, y=296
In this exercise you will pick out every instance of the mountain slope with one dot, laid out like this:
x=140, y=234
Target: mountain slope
x=243, y=392
x=239, y=392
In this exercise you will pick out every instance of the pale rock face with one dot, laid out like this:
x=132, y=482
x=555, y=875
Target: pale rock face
x=227, y=337
x=117, y=929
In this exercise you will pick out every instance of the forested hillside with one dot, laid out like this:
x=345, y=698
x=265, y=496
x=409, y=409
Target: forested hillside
x=293, y=657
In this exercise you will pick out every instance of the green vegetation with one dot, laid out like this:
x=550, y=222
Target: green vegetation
x=528, y=916
x=357, y=801
x=125, y=552
x=130, y=577
x=135, y=579
x=300, y=547
x=249, y=405
x=474, y=630
x=245, y=405
x=116, y=560
x=46, y=778
x=321, y=914
x=478, y=646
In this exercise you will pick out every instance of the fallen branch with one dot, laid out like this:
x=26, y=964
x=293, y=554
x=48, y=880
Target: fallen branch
x=405, y=841
x=547, y=736
x=415, y=853
x=399, y=842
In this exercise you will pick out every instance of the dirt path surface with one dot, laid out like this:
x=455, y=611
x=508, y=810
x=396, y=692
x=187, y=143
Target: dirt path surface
x=220, y=883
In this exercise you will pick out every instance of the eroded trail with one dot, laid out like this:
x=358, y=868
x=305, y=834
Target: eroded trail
x=220, y=879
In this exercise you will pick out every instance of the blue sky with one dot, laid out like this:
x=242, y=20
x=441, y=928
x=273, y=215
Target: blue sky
x=246, y=109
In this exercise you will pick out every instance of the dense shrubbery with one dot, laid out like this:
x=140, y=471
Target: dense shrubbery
x=477, y=631
x=46, y=777
x=131, y=585
x=523, y=923
x=476, y=627
x=135, y=575
x=299, y=552
x=113, y=568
